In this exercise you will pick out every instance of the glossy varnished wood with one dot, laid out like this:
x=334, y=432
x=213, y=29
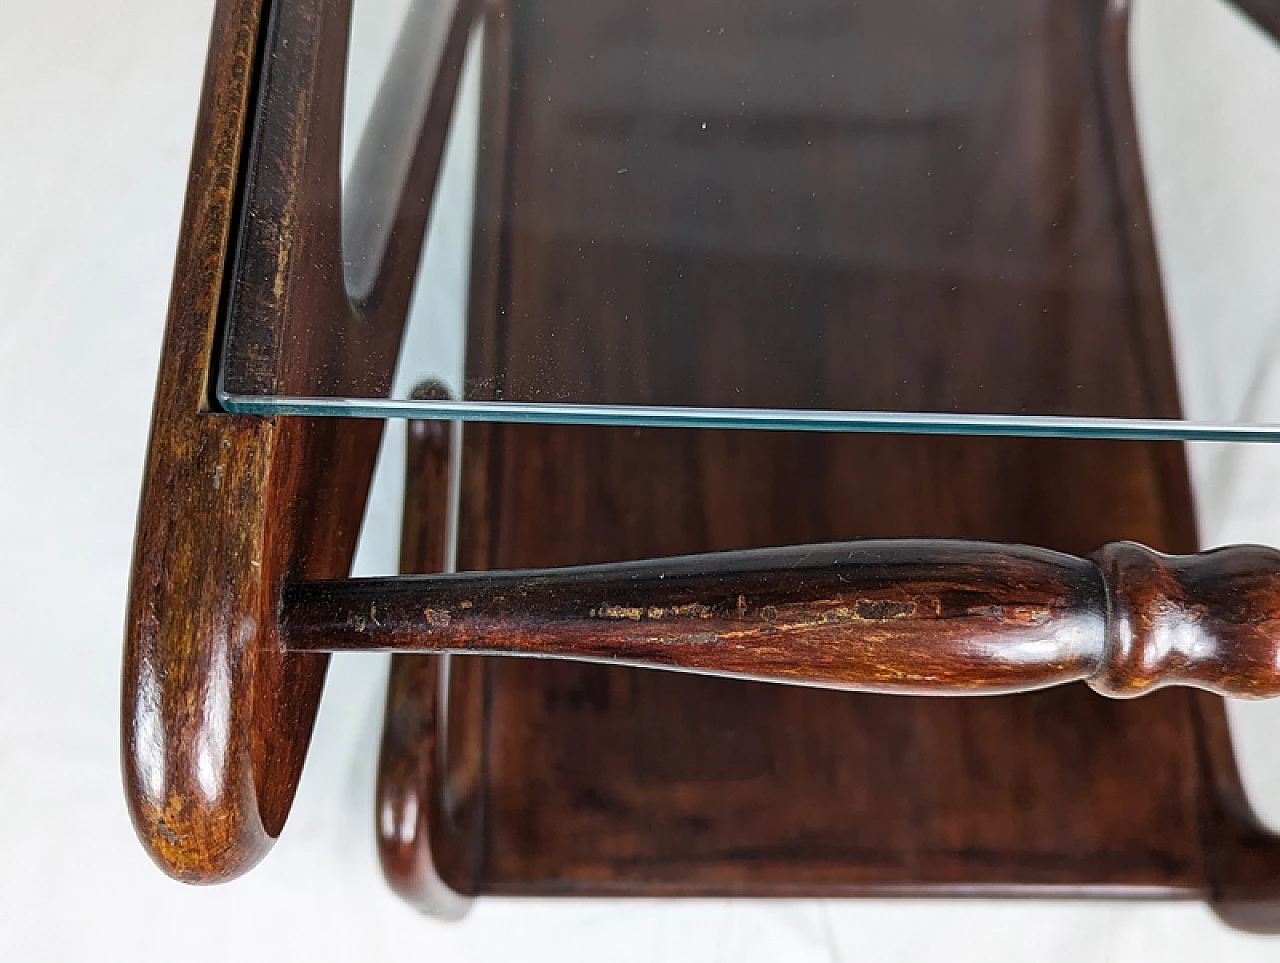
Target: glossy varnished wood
x=216, y=716
x=324, y=269
x=216, y=724
x=686, y=233
x=908, y=616
x=1211, y=621
x=587, y=778
x=411, y=799
x=602, y=779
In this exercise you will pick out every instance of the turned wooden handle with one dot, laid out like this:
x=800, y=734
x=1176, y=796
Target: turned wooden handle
x=911, y=616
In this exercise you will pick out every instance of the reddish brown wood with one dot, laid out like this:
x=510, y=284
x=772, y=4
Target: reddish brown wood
x=1138, y=255
x=907, y=616
x=293, y=325
x=1242, y=858
x=608, y=780
x=1209, y=621
x=410, y=796
x=600, y=779
x=910, y=616
x=216, y=723
x=216, y=716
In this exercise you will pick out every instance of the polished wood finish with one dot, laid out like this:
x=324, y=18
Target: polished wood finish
x=410, y=797
x=698, y=218
x=907, y=616
x=1207, y=621
x=324, y=271
x=215, y=724
x=600, y=779
x=584, y=778
x=609, y=780
x=216, y=716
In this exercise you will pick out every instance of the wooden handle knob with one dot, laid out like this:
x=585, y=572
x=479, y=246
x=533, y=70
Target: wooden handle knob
x=1208, y=620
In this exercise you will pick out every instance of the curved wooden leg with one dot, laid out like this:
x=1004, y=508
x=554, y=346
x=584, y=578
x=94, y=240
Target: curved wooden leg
x=409, y=786
x=1242, y=856
x=411, y=761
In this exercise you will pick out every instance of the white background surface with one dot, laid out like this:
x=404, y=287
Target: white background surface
x=97, y=103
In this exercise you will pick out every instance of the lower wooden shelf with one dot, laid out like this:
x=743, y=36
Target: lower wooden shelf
x=534, y=777
x=537, y=777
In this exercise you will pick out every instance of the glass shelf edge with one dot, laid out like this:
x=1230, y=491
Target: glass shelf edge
x=654, y=416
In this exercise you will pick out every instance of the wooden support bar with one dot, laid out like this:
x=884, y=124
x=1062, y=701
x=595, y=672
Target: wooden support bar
x=910, y=616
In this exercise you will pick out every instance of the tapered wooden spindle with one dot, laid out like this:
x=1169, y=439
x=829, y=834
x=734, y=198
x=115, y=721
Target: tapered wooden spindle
x=909, y=616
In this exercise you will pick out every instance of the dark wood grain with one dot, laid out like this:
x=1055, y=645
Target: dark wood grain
x=410, y=796
x=1023, y=277
x=216, y=716
x=216, y=724
x=908, y=616
x=601, y=779
x=687, y=231
x=1211, y=621
x=323, y=275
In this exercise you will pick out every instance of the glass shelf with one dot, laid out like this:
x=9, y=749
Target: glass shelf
x=1000, y=218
